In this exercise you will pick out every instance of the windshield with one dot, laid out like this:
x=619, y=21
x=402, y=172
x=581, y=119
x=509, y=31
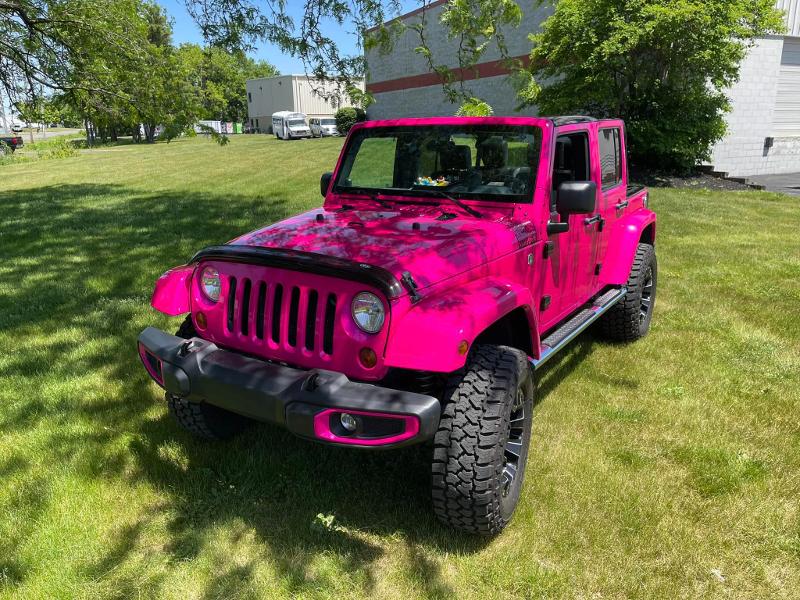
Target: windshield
x=328, y=121
x=297, y=123
x=487, y=162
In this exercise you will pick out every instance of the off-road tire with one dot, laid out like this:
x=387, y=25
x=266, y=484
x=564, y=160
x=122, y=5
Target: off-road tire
x=204, y=421
x=469, y=483
x=626, y=321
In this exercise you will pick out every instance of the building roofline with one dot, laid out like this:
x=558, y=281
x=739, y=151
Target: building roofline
x=409, y=14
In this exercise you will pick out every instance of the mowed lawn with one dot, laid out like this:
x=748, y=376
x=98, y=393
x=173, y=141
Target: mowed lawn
x=669, y=468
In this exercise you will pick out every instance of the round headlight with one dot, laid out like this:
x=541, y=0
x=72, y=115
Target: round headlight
x=368, y=312
x=210, y=283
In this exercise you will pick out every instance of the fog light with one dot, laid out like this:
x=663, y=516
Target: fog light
x=200, y=319
x=368, y=357
x=348, y=421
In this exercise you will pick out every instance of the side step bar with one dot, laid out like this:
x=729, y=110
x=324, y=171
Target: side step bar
x=569, y=330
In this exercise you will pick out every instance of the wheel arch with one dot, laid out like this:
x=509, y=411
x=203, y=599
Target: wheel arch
x=625, y=236
x=429, y=335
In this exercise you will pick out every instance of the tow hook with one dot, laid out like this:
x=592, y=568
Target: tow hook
x=186, y=348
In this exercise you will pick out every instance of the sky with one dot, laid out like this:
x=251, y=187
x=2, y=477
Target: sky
x=185, y=30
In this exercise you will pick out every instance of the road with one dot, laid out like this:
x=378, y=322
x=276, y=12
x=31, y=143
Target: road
x=787, y=183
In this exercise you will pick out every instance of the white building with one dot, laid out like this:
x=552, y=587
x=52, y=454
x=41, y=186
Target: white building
x=295, y=93
x=763, y=127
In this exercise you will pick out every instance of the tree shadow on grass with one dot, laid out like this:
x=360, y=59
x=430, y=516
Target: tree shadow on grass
x=83, y=259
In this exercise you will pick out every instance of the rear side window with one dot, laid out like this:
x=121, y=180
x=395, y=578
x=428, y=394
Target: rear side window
x=610, y=157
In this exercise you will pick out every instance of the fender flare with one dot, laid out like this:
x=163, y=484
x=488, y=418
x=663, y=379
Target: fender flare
x=623, y=241
x=172, y=294
x=427, y=336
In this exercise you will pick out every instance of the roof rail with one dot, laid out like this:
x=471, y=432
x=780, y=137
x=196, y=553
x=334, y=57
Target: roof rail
x=571, y=119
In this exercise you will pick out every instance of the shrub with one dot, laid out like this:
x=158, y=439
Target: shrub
x=348, y=116
x=58, y=147
x=663, y=66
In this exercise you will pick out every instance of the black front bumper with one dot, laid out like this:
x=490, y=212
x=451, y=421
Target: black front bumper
x=301, y=401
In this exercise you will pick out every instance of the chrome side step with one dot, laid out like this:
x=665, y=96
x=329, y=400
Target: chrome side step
x=569, y=330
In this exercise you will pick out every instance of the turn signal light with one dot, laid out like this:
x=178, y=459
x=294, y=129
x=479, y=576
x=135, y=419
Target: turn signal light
x=368, y=357
x=200, y=319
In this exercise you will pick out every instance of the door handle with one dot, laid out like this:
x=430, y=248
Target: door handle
x=594, y=219
x=621, y=205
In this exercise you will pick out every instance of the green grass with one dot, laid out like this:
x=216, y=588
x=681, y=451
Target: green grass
x=663, y=469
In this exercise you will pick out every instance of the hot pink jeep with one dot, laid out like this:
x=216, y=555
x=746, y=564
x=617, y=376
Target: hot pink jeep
x=451, y=259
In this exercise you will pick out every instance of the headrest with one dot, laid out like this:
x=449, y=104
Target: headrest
x=456, y=158
x=493, y=152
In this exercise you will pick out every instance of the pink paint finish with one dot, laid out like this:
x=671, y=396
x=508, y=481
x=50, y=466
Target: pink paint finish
x=448, y=319
x=322, y=428
x=470, y=272
x=627, y=234
x=348, y=339
x=171, y=295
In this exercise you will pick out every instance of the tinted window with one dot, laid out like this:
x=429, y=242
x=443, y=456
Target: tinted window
x=610, y=157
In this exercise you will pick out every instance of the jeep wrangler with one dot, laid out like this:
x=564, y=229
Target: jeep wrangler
x=451, y=259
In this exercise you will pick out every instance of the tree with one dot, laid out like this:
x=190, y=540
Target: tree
x=662, y=65
x=474, y=25
x=219, y=77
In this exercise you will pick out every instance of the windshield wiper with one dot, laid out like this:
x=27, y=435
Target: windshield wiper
x=457, y=202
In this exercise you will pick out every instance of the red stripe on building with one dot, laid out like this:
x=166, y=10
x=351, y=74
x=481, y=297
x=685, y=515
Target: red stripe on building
x=492, y=68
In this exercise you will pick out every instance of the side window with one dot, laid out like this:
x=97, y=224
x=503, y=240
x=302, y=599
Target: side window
x=610, y=158
x=249, y=97
x=572, y=158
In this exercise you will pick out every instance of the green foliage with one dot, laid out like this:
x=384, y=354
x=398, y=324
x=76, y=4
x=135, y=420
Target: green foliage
x=220, y=138
x=218, y=78
x=474, y=107
x=348, y=116
x=662, y=65
x=58, y=147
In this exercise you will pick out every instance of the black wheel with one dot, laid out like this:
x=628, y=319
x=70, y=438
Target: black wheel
x=481, y=447
x=202, y=420
x=630, y=318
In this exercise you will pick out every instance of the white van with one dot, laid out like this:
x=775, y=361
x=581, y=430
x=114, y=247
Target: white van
x=288, y=125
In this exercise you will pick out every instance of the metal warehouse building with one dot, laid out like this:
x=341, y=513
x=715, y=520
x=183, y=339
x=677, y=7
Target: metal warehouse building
x=763, y=126
x=296, y=93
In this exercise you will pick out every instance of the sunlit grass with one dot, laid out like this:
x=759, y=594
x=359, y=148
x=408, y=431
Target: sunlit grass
x=663, y=469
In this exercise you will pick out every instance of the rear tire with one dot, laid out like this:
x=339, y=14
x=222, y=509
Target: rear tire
x=204, y=421
x=481, y=447
x=629, y=319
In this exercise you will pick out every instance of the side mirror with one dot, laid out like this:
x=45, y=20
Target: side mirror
x=325, y=183
x=576, y=197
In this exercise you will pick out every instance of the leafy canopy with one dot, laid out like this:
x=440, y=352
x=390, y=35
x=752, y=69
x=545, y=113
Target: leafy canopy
x=662, y=65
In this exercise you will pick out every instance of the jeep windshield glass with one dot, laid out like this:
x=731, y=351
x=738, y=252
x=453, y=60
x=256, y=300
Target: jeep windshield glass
x=481, y=162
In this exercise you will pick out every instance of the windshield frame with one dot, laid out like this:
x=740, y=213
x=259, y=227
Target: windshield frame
x=433, y=195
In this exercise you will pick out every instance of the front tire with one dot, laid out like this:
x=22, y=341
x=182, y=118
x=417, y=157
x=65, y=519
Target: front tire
x=481, y=447
x=204, y=421
x=629, y=319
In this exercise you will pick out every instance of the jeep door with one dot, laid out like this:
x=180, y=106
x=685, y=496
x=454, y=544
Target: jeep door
x=571, y=269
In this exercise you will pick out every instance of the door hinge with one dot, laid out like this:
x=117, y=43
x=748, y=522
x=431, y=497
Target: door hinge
x=544, y=303
x=597, y=268
x=549, y=247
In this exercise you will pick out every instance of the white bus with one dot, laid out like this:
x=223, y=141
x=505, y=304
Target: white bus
x=288, y=125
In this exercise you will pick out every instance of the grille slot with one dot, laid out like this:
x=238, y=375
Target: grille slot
x=294, y=307
x=330, y=318
x=276, y=314
x=245, y=311
x=260, y=308
x=311, y=319
x=231, y=302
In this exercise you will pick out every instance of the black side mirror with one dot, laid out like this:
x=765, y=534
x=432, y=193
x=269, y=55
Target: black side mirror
x=325, y=183
x=576, y=197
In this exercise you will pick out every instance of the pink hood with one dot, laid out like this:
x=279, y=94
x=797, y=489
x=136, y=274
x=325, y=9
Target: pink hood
x=409, y=238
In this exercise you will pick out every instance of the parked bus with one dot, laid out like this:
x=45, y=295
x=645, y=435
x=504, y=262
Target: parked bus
x=288, y=125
